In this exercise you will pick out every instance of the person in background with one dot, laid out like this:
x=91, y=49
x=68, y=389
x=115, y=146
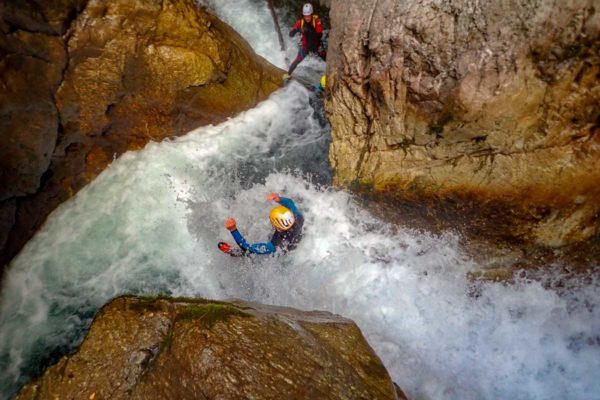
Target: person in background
x=320, y=87
x=311, y=28
x=287, y=221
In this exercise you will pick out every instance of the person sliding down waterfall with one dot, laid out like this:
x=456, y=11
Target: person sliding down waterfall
x=312, y=31
x=286, y=220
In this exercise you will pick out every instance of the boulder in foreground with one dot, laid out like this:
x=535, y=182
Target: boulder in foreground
x=146, y=348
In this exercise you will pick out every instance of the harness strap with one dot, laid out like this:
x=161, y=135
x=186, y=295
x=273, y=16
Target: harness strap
x=314, y=22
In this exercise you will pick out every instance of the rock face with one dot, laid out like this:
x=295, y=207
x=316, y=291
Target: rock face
x=84, y=81
x=193, y=349
x=490, y=103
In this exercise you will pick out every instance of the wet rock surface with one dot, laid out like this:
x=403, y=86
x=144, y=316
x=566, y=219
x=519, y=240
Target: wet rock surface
x=148, y=348
x=85, y=81
x=31, y=69
x=487, y=108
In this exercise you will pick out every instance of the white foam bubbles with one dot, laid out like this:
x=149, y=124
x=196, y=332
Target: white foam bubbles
x=252, y=20
x=150, y=222
x=409, y=294
x=127, y=230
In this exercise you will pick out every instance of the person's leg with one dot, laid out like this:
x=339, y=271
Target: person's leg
x=322, y=53
x=294, y=65
x=299, y=58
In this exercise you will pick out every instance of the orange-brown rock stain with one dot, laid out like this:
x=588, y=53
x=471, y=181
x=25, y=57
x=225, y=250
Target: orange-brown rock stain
x=504, y=119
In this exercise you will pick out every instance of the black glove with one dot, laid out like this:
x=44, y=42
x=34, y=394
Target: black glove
x=293, y=32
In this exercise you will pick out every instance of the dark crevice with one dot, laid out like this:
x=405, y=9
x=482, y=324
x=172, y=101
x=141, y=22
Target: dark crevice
x=151, y=354
x=586, y=65
x=479, y=139
x=60, y=130
x=490, y=152
x=24, y=54
x=106, y=130
x=73, y=15
x=165, y=346
x=13, y=28
x=404, y=145
x=111, y=108
x=45, y=178
x=71, y=19
x=74, y=147
x=366, y=88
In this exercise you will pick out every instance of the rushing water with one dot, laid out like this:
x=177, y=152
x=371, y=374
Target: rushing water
x=150, y=222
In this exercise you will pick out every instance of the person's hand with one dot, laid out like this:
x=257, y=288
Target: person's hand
x=230, y=224
x=273, y=197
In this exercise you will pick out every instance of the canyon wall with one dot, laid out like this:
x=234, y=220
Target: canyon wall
x=493, y=105
x=84, y=81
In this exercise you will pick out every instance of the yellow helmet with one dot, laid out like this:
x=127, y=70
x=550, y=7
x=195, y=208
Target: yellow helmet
x=282, y=218
x=323, y=81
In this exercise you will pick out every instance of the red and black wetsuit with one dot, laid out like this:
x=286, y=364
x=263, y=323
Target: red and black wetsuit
x=311, y=39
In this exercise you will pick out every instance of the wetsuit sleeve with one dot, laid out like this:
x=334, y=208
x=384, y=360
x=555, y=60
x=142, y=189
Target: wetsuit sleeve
x=295, y=28
x=319, y=27
x=289, y=203
x=256, y=248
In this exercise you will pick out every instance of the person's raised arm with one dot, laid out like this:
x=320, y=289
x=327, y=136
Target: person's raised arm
x=255, y=248
x=284, y=201
x=273, y=197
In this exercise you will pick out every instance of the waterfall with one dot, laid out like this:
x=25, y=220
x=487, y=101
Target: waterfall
x=150, y=222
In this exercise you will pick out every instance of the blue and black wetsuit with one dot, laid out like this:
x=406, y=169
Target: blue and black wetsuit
x=282, y=240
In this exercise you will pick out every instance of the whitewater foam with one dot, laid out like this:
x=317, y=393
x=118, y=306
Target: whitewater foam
x=149, y=224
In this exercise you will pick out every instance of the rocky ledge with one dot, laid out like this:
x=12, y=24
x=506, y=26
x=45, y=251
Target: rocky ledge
x=83, y=81
x=158, y=348
x=493, y=109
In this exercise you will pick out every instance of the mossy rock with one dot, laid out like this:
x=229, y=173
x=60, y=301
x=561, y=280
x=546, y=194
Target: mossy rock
x=158, y=347
x=209, y=314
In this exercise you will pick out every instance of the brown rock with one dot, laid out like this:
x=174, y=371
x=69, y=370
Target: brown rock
x=31, y=69
x=8, y=210
x=125, y=72
x=478, y=102
x=194, y=349
x=49, y=17
x=154, y=69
